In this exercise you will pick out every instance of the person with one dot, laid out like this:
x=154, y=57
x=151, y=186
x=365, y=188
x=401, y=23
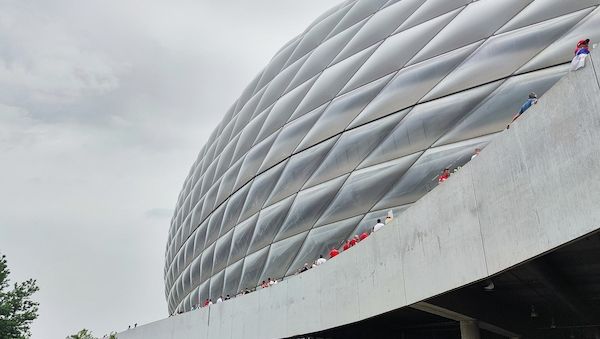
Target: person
x=378, y=225
x=531, y=100
x=304, y=268
x=444, y=176
x=135, y=325
x=476, y=153
x=264, y=284
x=206, y=302
x=581, y=44
x=346, y=245
x=220, y=299
x=227, y=297
x=333, y=252
x=272, y=282
x=320, y=261
x=387, y=220
x=210, y=302
x=363, y=236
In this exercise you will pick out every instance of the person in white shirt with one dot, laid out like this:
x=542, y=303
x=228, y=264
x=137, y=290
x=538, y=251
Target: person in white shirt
x=220, y=300
x=320, y=261
x=378, y=225
x=476, y=153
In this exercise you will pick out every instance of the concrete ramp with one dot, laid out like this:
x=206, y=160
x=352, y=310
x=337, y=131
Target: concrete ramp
x=535, y=188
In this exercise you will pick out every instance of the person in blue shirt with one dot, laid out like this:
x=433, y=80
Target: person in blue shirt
x=532, y=100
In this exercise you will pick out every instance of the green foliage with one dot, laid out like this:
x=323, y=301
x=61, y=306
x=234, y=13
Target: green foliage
x=17, y=310
x=83, y=334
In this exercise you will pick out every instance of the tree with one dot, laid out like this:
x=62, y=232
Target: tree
x=83, y=334
x=17, y=310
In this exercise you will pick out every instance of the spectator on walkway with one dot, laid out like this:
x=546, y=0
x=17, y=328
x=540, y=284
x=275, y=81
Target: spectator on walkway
x=581, y=44
x=304, y=268
x=387, y=220
x=346, y=245
x=363, y=236
x=532, y=100
x=227, y=297
x=353, y=241
x=205, y=303
x=271, y=282
x=378, y=225
x=444, y=176
x=320, y=261
x=333, y=252
x=220, y=299
x=476, y=153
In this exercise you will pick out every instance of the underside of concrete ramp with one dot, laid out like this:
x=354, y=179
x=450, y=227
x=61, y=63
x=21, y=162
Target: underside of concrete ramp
x=505, y=248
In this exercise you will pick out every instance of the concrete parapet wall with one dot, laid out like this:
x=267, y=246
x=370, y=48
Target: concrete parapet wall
x=534, y=188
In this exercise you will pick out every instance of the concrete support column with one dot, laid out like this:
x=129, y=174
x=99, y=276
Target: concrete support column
x=469, y=329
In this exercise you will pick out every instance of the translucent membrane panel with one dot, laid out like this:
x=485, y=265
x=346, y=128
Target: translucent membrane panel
x=369, y=220
x=196, y=270
x=351, y=148
x=228, y=182
x=253, y=160
x=185, y=279
x=431, y=9
x=313, y=37
x=541, y=10
x=289, y=138
x=321, y=240
x=331, y=81
x=196, y=190
x=225, y=158
x=196, y=217
x=179, y=291
x=341, y=112
x=194, y=298
x=233, y=209
x=381, y=25
x=359, y=11
x=200, y=237
x=203, y=292
x=207, y=263
x=253, y=266
x=276, y=64
x=180, y=261
x=189, y=250
x=216, y=285
x=242, y=235
x=422, y=177
x=245, y=115
x=247, y=94
x=298, y=169
x=323, y=55
x=233, y=275
x=497, y=111
x=308, y=206
x=396, y=51
x=269, y=222
x=563, y=49
x=209, y=200
x=280, y=257
x=214, y=225
x=479, y=20
x=503, y=54
x=222, y=250
x=225, y=136
x=277, y=87
x=363, y=189
x=283, y=109
x=411, y=84
x=209, y=156
x=426, y=123
x=260, y=190
x=186, y=304
x=248, y=135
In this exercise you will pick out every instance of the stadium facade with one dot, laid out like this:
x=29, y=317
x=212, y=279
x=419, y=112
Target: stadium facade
x=351, y=119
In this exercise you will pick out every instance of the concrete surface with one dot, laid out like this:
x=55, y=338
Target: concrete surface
x=534, y=188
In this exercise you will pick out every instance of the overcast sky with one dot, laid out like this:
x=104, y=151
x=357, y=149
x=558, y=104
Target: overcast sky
x=104, y=105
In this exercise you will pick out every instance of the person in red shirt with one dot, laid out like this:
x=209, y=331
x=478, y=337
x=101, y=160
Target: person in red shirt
x=353, y=241
x=346, y=245
x=363, y=236
x=333, y=253
x=444, y=176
